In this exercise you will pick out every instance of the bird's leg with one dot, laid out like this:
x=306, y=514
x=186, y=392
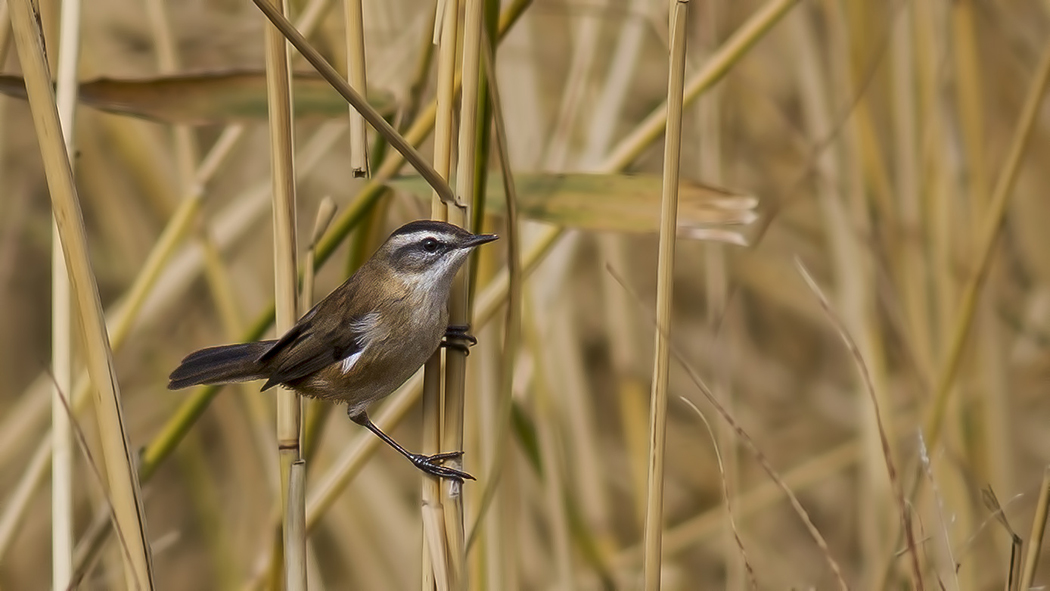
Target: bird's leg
x=429, y=464
x=458, y=337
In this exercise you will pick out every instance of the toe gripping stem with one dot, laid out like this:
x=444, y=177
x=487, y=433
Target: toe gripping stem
x=458, y=337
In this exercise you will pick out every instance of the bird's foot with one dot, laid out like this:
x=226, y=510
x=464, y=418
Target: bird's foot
x=432, y=465
x=458, y=337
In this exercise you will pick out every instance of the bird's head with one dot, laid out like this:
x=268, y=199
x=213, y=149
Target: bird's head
x=426, y=254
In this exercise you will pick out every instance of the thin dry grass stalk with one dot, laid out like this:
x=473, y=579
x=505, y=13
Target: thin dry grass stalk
x=938, y=498
x=887, y=454
x=108, y=515
x=123, y=481
x=654, y=508
x=734, y=530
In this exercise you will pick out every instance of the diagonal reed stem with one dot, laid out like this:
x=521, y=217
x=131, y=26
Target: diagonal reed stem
x=123, y=481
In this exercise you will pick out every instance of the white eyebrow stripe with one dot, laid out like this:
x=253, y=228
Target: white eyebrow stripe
x=418, y=236
x=348, y=362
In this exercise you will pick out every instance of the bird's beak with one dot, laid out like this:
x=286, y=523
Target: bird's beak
x=477, y=240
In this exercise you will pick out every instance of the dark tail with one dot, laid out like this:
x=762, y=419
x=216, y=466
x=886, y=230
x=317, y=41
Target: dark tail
x=219, y=365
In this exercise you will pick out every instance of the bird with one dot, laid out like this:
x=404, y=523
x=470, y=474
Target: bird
x=365, y=338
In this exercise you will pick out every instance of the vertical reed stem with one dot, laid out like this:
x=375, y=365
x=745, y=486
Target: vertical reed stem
x=295, y=529
x=664, y=292
x=435, y=555
x=459, y=308
x=62, y=322
x=279, y=99
x=355, y=60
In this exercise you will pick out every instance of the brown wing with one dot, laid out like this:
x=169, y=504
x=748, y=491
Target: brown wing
x=323, y=336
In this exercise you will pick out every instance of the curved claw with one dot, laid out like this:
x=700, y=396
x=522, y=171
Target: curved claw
x=429, y=465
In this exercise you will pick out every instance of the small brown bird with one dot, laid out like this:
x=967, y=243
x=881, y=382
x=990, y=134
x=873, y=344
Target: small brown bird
x=366, y=338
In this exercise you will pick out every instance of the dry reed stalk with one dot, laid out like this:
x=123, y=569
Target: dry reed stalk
x=459, y=213
x=654, y=508
x=123, y=482
x=453, y=408
x=356, y=74
x=62, y=335
x=295, y=529
x=436, y=559
x=1035, y=539
x=282, y=170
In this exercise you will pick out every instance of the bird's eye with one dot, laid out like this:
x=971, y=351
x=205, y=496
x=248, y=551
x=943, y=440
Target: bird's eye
x=430, y=245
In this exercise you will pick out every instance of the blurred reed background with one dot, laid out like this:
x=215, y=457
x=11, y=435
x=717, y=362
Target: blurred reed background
x=895, y=151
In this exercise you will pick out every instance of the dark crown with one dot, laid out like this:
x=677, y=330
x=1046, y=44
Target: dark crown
x=432, y=227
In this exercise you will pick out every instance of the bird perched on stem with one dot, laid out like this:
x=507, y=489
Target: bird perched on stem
x=366, y=338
